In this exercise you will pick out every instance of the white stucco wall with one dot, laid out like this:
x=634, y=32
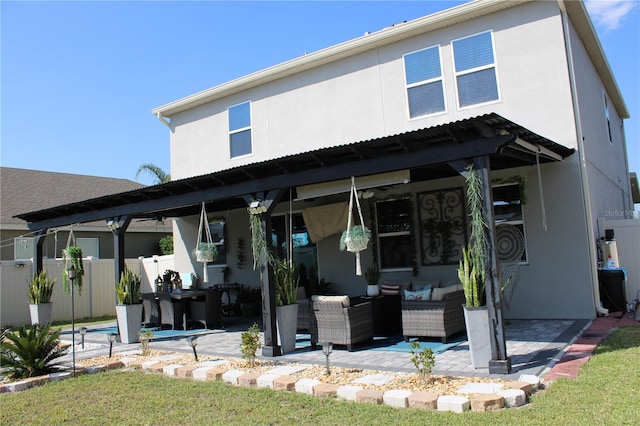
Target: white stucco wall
x=364, y=97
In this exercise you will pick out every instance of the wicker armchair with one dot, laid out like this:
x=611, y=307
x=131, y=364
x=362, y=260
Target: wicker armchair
x=430, y=318
x=333, y=320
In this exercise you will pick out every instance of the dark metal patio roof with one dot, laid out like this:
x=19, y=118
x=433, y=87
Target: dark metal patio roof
x=425, y=152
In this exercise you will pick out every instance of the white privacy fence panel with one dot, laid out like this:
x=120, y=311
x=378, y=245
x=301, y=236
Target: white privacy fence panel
x=96, y=299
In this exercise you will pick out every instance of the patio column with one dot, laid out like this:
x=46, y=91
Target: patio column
x=500, y=363
x=39, y=237
x=265, y=203
x=118, y=226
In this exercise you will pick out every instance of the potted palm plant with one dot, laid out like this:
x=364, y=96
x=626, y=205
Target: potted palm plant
x=129, y=307
x=286, y=280
x=40, y=292
x=472, y=272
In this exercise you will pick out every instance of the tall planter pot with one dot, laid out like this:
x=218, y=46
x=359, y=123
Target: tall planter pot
x=40, y=313
x=129, y=322
x=479, y=335
x=287, y=321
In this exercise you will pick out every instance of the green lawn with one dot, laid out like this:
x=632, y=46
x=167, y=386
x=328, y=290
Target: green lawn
x=606, y=392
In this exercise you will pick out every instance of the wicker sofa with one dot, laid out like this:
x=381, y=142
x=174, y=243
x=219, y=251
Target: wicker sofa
x=431, y=318
x=334, y=320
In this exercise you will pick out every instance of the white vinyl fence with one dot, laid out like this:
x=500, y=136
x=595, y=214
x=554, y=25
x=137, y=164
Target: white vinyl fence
x=96, y=299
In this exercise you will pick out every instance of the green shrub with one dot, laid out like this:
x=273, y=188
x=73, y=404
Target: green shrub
x=423, y=360
x=128, y=288
x=30, y=351
x=166, y=245
x=250, y=343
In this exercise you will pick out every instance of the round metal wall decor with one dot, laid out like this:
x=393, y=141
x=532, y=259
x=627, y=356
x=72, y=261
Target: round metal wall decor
x=509, y=243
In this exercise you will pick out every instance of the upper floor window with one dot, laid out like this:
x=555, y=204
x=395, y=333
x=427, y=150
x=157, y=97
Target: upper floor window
x=475, y=69
x=606, y=113
x=423, y=75
x=394, y=234
x=240, y=129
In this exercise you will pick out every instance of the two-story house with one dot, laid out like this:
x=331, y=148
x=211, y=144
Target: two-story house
x=521, y=88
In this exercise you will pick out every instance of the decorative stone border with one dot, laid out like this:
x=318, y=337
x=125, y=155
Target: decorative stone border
x=484, y=397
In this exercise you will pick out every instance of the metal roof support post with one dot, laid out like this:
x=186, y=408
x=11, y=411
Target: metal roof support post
x=266, y=203
x=39, y=236
x=118, y=226
x=501, y=364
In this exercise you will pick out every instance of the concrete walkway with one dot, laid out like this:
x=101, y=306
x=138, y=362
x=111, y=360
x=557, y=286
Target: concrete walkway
x=550, y=348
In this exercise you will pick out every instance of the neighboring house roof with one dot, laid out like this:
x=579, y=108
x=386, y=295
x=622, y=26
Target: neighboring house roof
x=575, y=10
x=23, y=190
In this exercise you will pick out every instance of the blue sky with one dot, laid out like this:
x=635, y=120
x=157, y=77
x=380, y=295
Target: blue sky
x=79, y=79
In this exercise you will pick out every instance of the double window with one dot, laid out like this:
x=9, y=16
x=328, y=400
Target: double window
x=423, y=77
x=394, y=234
x=475, y=69
x=240, y=129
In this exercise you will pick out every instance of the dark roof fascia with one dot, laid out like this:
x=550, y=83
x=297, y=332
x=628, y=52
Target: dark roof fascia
x=419, y=148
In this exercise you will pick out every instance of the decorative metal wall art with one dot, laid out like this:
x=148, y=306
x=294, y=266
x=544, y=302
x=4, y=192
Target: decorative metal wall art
x=443, y=229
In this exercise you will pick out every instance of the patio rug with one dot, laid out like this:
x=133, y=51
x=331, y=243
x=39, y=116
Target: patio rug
x=157, y=334
x=397, y=344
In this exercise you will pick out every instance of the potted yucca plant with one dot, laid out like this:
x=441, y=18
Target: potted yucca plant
x=40, y=292
x=472, y=273
x=286, y=279
x=129, y=307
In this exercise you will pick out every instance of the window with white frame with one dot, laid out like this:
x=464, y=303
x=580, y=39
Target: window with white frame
x=606, y=114
x=393, y=221
x=509, y=219
x=23, y=248
x=89, y=246
x=240, y=129
x=217, y=228
x=475, y=69
x=423, y=77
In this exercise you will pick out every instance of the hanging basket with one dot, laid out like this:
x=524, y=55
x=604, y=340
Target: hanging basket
x=356, y=238
x=206, y=252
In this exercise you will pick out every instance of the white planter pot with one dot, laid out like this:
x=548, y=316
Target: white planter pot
x=129, y=322
x=40, y=313
x=287, y=321
x=373, y=290
x=479, y=335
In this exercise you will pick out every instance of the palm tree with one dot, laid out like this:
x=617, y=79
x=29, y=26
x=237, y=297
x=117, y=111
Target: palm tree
x=160, y=175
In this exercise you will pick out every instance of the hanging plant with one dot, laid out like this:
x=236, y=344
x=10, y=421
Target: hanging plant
x=355, y=239
x=72, y=256
x=205, y=252
x=259, y=246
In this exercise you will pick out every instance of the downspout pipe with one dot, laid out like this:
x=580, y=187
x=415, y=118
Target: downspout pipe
x=583, y=162
x=163, y=120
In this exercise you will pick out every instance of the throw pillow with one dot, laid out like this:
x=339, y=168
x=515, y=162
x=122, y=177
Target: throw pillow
x=417, y=295
x=390, y=289
x=439, y=293
x=343, y=299
x=420, y=287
